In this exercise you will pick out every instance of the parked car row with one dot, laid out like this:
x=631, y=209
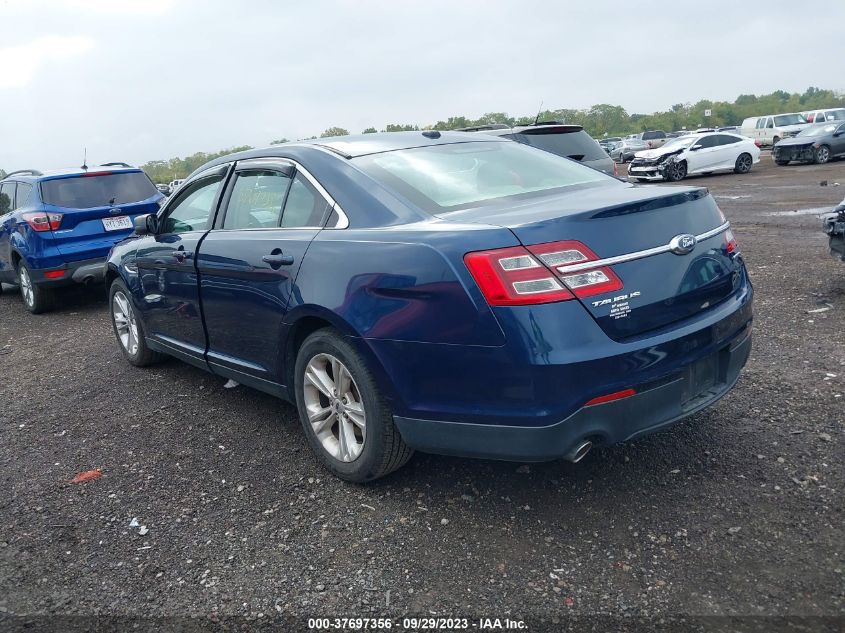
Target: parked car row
x=456, y=293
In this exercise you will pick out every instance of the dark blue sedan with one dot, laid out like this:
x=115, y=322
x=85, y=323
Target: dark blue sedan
x=446, y=292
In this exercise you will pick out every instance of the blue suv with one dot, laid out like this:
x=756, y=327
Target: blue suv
x=57, y=228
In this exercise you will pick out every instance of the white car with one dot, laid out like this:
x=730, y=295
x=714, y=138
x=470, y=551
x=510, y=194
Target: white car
x=695, y=154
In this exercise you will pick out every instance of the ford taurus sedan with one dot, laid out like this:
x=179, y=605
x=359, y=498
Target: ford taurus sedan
x=445, y=292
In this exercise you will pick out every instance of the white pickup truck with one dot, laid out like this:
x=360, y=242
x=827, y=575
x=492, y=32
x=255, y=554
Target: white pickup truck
x=769, y=129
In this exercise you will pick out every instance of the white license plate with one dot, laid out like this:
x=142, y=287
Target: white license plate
x=118, y=223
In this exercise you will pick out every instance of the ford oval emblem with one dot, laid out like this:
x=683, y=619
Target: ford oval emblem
x=682, y=244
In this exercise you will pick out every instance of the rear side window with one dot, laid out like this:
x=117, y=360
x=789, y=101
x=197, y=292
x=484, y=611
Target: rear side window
x=576, y=145
x=7, y=197
x=257, y=199
x=22, y=196
x=98, y=190
x=305, y=206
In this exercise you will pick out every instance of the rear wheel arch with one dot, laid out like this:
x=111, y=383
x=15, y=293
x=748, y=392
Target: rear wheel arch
x=307, y=320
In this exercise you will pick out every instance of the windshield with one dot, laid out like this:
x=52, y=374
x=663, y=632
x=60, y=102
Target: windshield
x=680, y=141
x=836, y=115
x=789, y=119
x=817, y=130
x=448, y=177
x=98, y=190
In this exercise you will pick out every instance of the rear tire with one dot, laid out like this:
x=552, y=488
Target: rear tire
x=781, y=162
x=347, y=422
x=677, y=171
x=743, y=163
x=128, y=328
x=821, y=155
x=36, y=299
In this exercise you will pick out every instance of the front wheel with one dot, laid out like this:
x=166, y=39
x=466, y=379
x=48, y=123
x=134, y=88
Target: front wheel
x=347, y=421
x=781, y=162
x=128, y=328
x=821, y=154
x=743, y=164
x=36, y=299
x=676, y=171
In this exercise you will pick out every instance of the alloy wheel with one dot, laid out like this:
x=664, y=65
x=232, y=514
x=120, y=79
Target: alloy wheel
x=822, y=154
x=334, y=407
x=125, y=323
x=744, y=163
x=27, y=291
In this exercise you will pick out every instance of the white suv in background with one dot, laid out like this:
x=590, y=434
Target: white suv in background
x=769, y=129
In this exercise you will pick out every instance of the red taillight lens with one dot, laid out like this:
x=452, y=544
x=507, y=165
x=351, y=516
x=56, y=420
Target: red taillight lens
x=40, y=221
x=730, y=242
x=527, y=276
x=512, y=277
x=54, y=274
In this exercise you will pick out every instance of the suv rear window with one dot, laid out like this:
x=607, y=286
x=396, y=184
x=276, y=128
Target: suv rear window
x=650, y=136
x=98, y=190
x=577, y=145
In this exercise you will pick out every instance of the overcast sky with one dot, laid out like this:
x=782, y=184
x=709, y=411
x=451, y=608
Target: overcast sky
x=139, y=80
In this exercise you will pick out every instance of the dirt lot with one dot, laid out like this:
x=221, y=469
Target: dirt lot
x=737, y=511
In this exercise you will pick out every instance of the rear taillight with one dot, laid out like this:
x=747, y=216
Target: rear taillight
x=526, y=276
x=615, y=169
x=41, y=221
x=730, y=243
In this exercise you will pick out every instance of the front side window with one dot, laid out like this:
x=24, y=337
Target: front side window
x=192, y=210
x=257, y=199
x=789, y=119
x=98, y=189
x=460, y=175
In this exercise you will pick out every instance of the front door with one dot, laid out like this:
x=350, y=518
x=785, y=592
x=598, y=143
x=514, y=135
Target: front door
x=167, y=269
x=248, y=266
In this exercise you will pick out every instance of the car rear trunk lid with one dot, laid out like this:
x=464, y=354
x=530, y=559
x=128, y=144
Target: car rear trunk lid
x=633, y=228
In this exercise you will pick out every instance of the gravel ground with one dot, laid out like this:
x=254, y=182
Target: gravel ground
x=737, y=511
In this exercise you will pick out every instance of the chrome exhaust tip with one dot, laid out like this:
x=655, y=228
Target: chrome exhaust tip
x=579, y=452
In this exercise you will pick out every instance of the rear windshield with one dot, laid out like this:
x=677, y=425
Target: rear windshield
x=649, y=136
x=575, y=145
x=461, y=175
x=98, y=190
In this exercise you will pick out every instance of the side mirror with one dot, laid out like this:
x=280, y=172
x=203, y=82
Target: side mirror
x=145, y=224
x=695, y=148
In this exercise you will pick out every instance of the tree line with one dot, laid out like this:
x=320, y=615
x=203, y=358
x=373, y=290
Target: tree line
x=600, y=120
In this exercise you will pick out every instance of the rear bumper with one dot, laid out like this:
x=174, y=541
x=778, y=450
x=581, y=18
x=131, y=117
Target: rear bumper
x=81, y=272
x=654, y=407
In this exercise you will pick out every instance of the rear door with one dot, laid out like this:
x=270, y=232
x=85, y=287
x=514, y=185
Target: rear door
x=97, y=209
x=248, y=266
x=838, y=142
x=167, y=268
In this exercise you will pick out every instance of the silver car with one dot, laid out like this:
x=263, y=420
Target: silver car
x=623, y=151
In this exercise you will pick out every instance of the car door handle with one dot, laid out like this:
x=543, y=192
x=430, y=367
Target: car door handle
x=277, y=259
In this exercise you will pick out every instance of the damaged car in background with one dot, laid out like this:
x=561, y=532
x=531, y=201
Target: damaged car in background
x=815, y=144
x=834, y=226
x=695, y=154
